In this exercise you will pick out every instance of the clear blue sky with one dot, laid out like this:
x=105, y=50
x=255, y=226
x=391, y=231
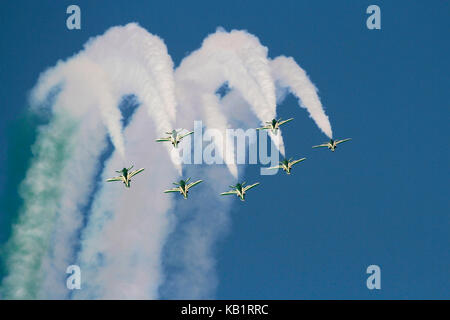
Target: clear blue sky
x=382, y=198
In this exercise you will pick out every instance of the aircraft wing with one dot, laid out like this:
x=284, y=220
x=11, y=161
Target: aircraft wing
x=228, y=193
x=276, y=167
x=321, y=145
x=115, y=179
x=135, y=172
x=186, y=134
x=297, y=161
x=162, y=139
x=340, y=141
x=190, y=185
x=172, y=190
x=250, y=186
x=284, y=121
x=263, y=128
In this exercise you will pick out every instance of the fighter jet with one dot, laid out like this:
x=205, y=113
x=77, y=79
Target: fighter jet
x=286, y=164
x=174, y=137
x=332, y=144
x=239, y=190
x=274, y=125
x=183, y=187
x=126, y=175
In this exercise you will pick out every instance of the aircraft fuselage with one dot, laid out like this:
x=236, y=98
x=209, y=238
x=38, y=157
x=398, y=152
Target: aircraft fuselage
x=240, y=192
x=332, y=145
x=175, y=138
x=126, y=179
x=183, y=189
x=274, y=126
x=174, y=141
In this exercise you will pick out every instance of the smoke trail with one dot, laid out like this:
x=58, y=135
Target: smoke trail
x=121, y=245
x=134, y=62
x=288, y=74
x=31, y=235
x=82, y=71
x=189, y=252
x=238, y=59
x=126, y=244
x=77, y=185
x=217, y=120
x=82, y=88
x=189, y=255
x=138, y=62
x=126, y=59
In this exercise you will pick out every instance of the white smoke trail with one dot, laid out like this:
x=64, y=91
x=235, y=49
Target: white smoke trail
x=89, y=77
x=217, y=120
x=277, y=139
x=80, y=170
x=121, y=246
x=242, y=63
x=125, y=243
x=127, y=68
x=125, y=60
x=189, y=252
x=138, y=62
x=82, y=89
x=288, y=74
x=236, y=58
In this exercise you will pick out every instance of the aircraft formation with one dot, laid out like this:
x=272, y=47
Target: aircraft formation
x=183, y=186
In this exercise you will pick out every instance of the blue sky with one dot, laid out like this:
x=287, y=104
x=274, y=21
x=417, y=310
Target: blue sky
x=382, y=198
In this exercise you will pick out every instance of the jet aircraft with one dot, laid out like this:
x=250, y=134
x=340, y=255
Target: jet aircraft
x=287, y=164
x=239, y=190
x=274, y=125
x=332, y=144
x=126, y=175
x=183, y=187
x=174, y=137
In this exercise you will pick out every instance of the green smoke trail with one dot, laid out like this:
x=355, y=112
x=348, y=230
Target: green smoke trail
x=40, y=190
